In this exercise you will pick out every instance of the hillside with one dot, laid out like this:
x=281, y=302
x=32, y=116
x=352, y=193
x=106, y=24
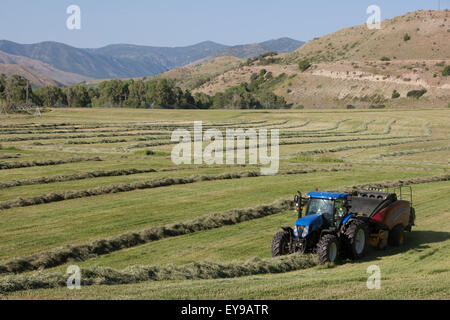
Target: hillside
x=429, y=33
x=34, y=77
x=362, y=67
x=194, y=76
x=36, y=71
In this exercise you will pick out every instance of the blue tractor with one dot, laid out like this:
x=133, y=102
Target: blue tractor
x=341, y=225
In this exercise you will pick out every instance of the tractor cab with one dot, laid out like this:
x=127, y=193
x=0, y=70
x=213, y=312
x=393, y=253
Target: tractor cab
x=322, y=210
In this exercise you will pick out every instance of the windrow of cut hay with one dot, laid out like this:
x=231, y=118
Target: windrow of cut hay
x=136, y=274
x=398, y=183
x=333, y=128
x=83, y=136
x=99, y=174
x=73, y=177
x=283, y=143
x=301, y=125
x=39, y=163
x=61, y=255
x=367, y=146
x=119, y=140
x=98, y=133
x=9, y=156
x=117, y=124
x=148, y=184
x=413, y=151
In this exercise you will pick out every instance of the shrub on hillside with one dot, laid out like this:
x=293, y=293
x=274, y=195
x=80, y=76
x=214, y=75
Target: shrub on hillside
x=406, y=37
x=304, y=65
x=446, y=71
x=395, y=94
x=385, y=59
x=416, y=93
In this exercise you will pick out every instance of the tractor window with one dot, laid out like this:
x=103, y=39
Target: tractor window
x=320, y=206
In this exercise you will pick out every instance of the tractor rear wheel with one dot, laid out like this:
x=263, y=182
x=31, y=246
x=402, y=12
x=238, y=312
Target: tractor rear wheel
x=355, y=239
x=397, y=236
x=280, y=244
x=328, y=249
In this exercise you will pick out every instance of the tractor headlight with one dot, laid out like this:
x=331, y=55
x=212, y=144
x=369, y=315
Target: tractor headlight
x=305, y=232
x=296, y=231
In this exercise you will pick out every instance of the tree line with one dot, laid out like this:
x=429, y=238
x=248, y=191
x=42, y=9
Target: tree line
x=142, y=93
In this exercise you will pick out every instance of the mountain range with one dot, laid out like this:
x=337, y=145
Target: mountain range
x=66, y=64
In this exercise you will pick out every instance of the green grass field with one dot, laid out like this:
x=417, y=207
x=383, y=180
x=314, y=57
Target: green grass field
x=364, y=146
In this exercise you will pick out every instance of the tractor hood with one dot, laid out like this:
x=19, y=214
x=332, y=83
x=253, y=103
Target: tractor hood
x=310, y=223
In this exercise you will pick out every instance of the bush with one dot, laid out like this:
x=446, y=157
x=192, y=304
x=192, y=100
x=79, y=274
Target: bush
x=351, y=106
x=406, y=37
x=304, y=65
x=381, y=106
x=395, y=94
x=300, y=107
x=385, y=59
x=416, y=93
x=446, y=71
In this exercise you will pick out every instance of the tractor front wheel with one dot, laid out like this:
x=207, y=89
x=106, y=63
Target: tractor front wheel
x=280, y=244
x=328, y=249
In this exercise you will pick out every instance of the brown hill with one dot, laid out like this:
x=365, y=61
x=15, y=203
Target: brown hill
x=41, y=72
x=34, y=77
x=194, y=76
x=429, y=32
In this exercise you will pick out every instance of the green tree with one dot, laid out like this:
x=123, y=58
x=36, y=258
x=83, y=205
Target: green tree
x=2, y=83
x=77, y=96
x=137, y=94
x=15, y=90
x=50, y=95
x=112, y=93
x=203, y=101
x=163, y=95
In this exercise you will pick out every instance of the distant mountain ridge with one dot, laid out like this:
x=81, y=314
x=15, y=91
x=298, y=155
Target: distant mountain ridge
x=130, y=61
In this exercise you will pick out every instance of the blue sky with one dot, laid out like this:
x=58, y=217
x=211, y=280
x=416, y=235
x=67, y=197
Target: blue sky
x=182, y=22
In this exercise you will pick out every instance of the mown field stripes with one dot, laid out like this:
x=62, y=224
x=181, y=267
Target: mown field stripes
x=148, y=184
x=96, y=174
x=82, y=252
x=136, y=274
x=61, y=255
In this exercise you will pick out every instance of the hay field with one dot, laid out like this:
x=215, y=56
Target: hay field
x=97, y=188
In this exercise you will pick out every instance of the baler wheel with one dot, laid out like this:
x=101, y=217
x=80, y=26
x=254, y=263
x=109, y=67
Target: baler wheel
x=397, y=236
